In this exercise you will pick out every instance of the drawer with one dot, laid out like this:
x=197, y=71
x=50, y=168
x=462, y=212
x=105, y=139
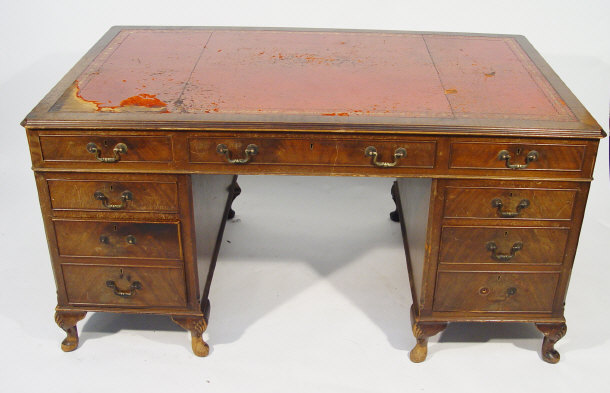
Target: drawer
x=140, y=240
x=509, y=203
x=509, y=245
x=113, y=195
x=88, y=148
x=124, y=286
x=300, y=151
x=548, y=157
x=495, y=291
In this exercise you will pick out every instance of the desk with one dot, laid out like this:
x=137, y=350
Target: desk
x=137, y=149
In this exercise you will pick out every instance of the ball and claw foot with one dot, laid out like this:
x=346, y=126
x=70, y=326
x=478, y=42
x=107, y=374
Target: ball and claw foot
x=553, y=332
x=195, y=325
x=67, y=322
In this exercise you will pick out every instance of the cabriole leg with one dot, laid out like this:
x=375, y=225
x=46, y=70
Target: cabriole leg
x=394, y=216
x=195, y=325
x=236, y=192
x=67, y=321
x=422, y=331
x=553, y=332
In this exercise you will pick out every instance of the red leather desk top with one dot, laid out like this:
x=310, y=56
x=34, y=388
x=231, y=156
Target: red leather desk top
x=313, y=76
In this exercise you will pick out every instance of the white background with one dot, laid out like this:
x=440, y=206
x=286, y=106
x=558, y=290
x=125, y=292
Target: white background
x=311, y=290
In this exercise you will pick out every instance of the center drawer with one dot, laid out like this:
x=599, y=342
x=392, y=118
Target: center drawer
x=118, y=239
x=301, y=151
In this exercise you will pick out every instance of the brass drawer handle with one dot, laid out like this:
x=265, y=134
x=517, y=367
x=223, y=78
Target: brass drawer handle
x=497, y=204
x=119, y=149
x=124, y=293
x=251, y=150
x=399, y=153
x=125, y=196
x=504, y=155
x=491, y=246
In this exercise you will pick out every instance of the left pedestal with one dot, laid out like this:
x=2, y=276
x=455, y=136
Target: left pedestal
x=134, y=243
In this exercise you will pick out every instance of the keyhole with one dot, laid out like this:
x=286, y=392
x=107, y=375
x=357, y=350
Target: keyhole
x=311, y=146
x=115, y=228
x=110, y=188
x=518, y=151
x=499, y=277
x=105, y=143
x=510, y=194
x=121, y=273
x=505, y=234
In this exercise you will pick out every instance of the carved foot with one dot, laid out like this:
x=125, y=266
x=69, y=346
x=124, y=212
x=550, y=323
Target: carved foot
x=236, y=192
x=422, y=331
x=553, y=332
x=195, y=325
x=394, y=216
x=67, y=321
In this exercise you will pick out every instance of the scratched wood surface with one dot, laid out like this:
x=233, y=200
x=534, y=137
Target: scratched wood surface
x=315, y=76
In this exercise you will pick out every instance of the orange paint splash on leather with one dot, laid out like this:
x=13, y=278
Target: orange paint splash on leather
x=147, y=100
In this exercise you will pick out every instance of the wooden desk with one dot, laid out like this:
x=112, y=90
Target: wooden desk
x=137, y=148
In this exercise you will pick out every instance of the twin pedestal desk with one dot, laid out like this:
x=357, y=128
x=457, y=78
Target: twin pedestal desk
x=137, y=149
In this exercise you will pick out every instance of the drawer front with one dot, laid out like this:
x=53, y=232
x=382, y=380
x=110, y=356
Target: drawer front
x=140, y=240
x=80, y=148
x=508, y=245
x=100, y=195
x=517, y=203
x=493, y=291
x=124, y=286
x=329, y=152
x=549, y=157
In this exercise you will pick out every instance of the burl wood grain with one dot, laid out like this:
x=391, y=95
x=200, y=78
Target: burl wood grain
x=469, y=244
x=477, y=202
x=314, y=151
x=495, y=291
x=117, y=239
x=482, y=155
x=146, y=196
x=74, y=148
x=133, y=286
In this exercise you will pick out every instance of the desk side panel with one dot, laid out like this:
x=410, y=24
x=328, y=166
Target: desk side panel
x=212, y=197
x=414, y=199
